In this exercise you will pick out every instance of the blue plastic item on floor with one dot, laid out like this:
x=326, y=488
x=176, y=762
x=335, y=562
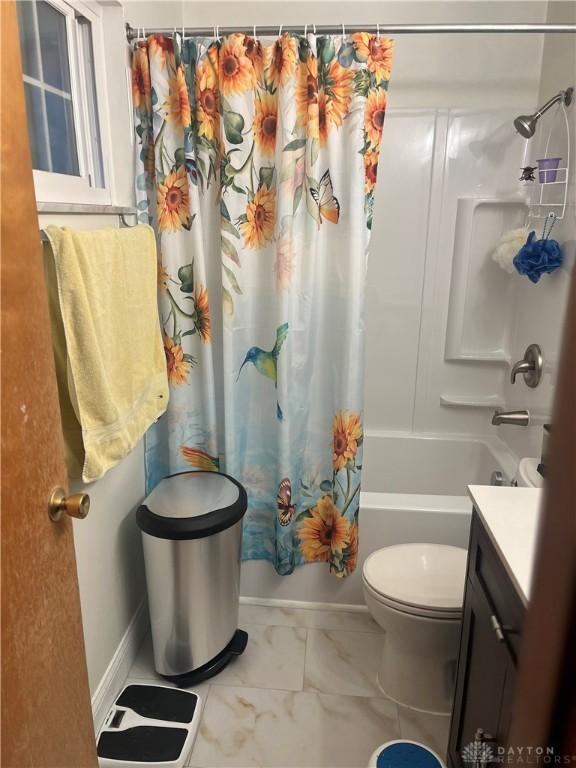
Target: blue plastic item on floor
x=406, y=754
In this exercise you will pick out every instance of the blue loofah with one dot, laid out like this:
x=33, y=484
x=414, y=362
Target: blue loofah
x=537, y=257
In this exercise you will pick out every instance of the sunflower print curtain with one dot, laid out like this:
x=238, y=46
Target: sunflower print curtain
x=256, y=162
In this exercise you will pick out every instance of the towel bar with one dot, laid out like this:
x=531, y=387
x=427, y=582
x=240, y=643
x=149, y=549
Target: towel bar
x=107, y=210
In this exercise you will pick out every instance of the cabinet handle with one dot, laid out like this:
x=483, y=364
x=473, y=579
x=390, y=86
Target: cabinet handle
x=498, y=631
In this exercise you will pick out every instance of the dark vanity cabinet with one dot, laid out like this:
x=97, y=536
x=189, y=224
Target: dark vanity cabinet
x=489, y=645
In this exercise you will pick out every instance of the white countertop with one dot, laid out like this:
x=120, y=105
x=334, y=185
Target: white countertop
x=511, y=517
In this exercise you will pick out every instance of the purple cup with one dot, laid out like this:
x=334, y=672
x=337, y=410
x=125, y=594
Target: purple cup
x=547, y=168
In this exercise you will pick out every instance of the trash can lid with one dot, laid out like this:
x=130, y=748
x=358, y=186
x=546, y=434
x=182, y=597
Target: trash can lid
x=192, y=505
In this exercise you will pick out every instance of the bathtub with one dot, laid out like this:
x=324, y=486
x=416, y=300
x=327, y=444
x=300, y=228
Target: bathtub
x=413, y=489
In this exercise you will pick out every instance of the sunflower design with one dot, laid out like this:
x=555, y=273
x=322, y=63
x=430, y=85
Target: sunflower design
x=176, y=364
x=173, y=201
x=141, y=79
x=325, y=533
x=349, y=559
x=255, y=54
x=200, y=459
x=202, y=313
x=160, y=47
x=207, y=103
x=163, y=277
x=258, y=228
x=265, y=122
x=177, y=105
x=280, y=60
x=375, y=114
x=347, y=434
x=318, y=122
x=235, y=68
x=284, y=266
x=370, y=169
x=307, y=92
x=377, y=52
x=338, y=87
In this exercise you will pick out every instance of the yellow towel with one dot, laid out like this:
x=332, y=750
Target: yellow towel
x=110, y=360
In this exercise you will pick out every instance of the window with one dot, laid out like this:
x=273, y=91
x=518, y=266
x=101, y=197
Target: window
x=63, y=82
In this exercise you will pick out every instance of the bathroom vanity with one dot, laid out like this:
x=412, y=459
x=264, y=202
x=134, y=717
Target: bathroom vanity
x=500, y=561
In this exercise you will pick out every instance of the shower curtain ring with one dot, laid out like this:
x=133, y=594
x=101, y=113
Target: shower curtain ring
x=280, y=30
x=343, y=32
x=378, y=31
x=254, y=32
x=314, y=26
x=183, y=32
x=305, y=30
x=218, y=32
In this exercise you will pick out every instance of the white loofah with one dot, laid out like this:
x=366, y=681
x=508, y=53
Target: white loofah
x=509, y=245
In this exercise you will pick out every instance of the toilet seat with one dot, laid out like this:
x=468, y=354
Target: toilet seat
x=413, y=610
x=420, y=579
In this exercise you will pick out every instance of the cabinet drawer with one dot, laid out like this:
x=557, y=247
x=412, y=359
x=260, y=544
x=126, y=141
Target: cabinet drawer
x=486, y=572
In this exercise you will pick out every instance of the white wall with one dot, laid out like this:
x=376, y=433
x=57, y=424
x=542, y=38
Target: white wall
x=107, y=542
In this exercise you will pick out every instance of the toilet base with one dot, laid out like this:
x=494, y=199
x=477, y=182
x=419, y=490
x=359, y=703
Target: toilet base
x=418, y=668
x=387, y=695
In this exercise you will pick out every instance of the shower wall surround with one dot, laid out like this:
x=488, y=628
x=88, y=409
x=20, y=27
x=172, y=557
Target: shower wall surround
x=414, y=382
x=540, y=308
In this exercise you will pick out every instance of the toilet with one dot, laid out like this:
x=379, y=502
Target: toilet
x=415, y=593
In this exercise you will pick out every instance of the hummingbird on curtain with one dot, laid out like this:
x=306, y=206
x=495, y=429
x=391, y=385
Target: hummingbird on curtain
x=266, y=363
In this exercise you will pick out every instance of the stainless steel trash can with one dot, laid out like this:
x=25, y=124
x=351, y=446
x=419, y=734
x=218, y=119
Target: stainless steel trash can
x=191, y=527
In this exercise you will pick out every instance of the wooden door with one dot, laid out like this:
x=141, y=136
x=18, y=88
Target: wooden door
x=46, y=712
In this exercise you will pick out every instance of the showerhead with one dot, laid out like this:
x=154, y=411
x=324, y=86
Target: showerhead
x=526, y=125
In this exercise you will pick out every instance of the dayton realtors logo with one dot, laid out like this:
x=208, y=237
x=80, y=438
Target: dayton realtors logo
x=478, y=753
x=482, y=754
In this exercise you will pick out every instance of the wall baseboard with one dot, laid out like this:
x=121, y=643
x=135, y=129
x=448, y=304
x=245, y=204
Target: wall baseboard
x=272, y=602
x=120, y=665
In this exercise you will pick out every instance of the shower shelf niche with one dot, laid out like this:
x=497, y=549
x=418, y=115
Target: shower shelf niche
x=481, y=294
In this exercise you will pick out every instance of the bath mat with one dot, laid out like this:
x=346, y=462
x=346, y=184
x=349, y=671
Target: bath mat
x=406, y=754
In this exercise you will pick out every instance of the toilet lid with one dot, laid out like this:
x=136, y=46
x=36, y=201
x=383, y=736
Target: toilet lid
x=405, y=754
x=423, y=575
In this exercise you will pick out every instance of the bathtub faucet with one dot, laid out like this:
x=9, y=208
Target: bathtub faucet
x=518, y=418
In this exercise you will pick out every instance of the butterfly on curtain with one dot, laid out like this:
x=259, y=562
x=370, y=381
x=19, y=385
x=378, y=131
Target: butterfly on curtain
x=323, y=196
x=283, y=499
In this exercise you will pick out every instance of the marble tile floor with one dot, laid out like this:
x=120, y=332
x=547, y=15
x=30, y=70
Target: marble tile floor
x=303, y=695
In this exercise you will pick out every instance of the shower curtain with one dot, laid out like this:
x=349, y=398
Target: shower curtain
x=256, y=163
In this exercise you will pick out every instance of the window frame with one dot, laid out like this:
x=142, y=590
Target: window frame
x=54, y=187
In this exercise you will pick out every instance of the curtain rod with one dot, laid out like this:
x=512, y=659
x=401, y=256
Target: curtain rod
x=133, y=33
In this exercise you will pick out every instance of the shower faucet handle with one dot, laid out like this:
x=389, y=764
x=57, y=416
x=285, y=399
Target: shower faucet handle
x=530, y=366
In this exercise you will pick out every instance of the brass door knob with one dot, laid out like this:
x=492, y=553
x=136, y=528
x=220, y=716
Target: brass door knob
x=77, y=505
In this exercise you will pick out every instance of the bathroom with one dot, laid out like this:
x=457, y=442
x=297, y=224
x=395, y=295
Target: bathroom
x=434, y=329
